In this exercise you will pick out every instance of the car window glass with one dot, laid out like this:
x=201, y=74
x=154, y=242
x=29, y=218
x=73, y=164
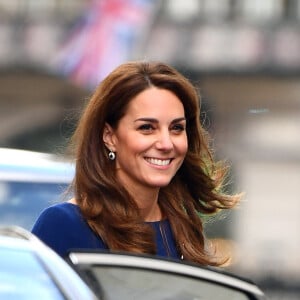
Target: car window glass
x=22, y=202
x=22, y=277
x=150, y=284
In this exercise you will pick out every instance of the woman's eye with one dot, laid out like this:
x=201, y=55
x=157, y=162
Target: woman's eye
x=146, y=127
x=178, y=127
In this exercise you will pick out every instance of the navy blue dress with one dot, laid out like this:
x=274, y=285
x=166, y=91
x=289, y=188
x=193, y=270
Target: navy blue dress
x=63, y=228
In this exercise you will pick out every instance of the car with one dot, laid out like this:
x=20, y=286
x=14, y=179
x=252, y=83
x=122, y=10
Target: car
x=31, y=270
x=125, y=276
x=29, y=182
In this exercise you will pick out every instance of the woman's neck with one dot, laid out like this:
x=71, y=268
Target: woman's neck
x=151, y=213
x=147, y=201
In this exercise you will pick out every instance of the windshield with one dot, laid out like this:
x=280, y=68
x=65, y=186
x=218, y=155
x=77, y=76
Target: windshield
x=22, y=202
x=22, y=277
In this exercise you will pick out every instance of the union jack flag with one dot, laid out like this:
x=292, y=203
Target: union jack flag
x=103, y=38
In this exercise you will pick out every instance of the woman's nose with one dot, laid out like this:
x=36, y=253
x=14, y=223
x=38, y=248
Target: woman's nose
x=164, y=141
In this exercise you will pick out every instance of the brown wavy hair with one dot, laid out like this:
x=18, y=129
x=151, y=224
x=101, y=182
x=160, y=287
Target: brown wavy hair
x=194, y=191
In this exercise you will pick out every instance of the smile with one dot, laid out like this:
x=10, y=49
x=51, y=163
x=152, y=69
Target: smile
x=158, y=162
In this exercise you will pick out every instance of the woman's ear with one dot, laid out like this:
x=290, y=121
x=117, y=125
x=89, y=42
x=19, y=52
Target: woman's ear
x=108, y=137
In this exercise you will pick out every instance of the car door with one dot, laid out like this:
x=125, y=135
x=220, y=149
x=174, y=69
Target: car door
x=128, y=276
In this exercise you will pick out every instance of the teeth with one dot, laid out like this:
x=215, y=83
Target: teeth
x=159, y=162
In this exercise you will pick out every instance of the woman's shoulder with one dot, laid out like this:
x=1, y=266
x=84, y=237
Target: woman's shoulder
x=61, y=210
x=62, y=227
x=65, y=208
x=58, y=215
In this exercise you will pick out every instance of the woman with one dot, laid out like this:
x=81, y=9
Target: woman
x=144, y=171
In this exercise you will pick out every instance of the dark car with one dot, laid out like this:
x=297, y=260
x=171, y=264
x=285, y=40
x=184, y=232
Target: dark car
x=29, y=182
x=31, y=270
x=126, y=276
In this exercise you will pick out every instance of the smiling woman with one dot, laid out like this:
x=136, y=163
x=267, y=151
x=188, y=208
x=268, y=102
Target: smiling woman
x=144, y=171
x=151, y=143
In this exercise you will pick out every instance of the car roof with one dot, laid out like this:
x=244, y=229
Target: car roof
x=11, y=243
x=25, y=165
x=15, y=237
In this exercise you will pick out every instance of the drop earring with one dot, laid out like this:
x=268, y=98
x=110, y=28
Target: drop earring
x=111, y=155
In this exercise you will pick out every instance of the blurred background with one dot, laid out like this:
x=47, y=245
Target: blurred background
x=244, y=55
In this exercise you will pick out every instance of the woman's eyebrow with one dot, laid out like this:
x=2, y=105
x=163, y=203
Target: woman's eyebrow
x=153, y=120
x=179, y=120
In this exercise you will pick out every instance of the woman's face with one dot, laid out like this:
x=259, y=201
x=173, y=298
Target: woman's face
x=150, y=140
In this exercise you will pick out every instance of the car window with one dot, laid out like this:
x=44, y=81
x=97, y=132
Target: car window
x=134, y=283
x=22, y=202
x=22, y=277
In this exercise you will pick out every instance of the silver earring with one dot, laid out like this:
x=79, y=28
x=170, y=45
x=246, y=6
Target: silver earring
x=111, y=155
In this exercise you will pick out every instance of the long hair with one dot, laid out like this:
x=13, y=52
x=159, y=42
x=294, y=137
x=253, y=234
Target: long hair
x=195, y=190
